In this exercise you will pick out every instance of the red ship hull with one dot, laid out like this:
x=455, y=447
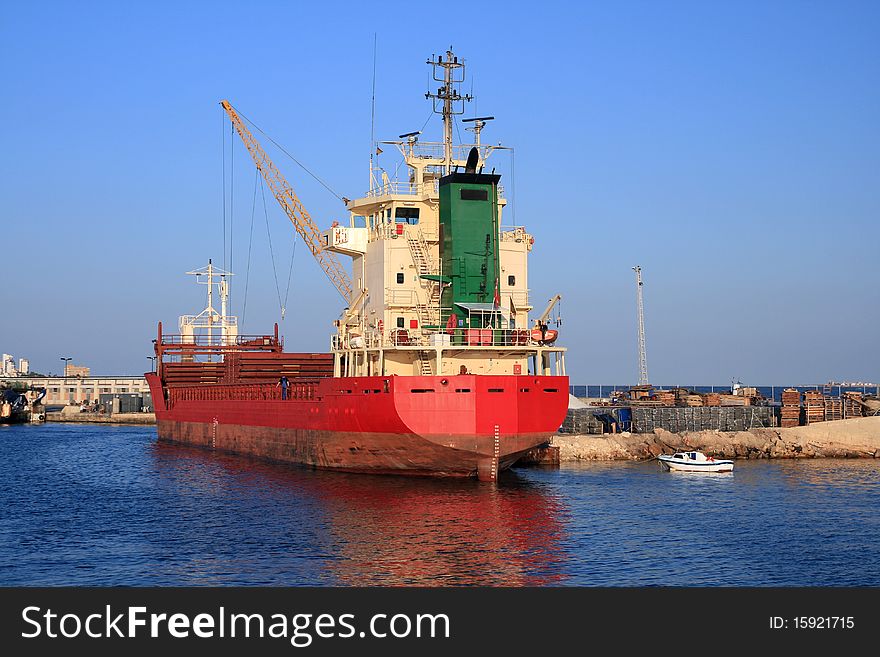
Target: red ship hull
x=463, y=425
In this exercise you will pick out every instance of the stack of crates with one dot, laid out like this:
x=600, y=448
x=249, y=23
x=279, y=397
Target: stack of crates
x=814, y=406
x=852, y=406
x=833, y=408
x=790, y=414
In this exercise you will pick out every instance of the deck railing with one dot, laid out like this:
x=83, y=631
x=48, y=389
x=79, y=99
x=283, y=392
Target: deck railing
x=296, y=389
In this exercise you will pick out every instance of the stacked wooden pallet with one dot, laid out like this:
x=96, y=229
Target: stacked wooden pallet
x=734, y=400
x=711, y=399
x=833, y=408
x=646, y=402
x=665, y=397
x=852, y=406
x=692, y=400
x=790, y=415
x=814, y=405
x=681, y=395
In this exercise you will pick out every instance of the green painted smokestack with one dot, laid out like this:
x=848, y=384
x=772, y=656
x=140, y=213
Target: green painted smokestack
x=469, y=242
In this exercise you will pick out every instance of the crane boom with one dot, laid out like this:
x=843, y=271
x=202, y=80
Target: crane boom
x=544, y=315
x=292, y=206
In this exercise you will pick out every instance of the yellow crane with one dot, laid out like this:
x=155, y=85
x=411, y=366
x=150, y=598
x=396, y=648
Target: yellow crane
x=292, y=206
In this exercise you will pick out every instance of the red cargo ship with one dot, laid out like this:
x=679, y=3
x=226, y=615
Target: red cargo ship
x=433, y=369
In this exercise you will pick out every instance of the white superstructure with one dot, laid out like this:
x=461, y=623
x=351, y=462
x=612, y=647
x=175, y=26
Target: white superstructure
x=395, y=323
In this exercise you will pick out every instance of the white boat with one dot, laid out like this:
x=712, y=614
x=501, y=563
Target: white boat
x=694, y=462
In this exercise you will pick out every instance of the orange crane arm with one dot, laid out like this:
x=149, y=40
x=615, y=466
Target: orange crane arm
x=292, y=206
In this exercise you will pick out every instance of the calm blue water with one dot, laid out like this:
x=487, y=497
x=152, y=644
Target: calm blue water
x=101, y=505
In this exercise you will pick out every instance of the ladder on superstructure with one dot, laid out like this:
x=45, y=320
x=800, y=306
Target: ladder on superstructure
x=429, y=311
x=424, y=364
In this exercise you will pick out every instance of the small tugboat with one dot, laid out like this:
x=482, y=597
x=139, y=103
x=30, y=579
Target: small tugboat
x=694, y=462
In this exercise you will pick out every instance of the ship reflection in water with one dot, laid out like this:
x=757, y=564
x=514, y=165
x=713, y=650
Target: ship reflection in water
x=299, y=526
x=108, y=505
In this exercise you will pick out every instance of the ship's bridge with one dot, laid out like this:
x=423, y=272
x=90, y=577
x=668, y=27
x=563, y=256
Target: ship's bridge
x=439, y=283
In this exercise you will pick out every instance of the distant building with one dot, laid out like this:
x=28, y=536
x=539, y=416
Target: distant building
x=61, y=390
x=24, y=366
x=7, y=366
x=78, y=371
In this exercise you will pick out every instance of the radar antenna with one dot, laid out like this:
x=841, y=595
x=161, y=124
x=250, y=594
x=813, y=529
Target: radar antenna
x=479, y=123
x=452, y=101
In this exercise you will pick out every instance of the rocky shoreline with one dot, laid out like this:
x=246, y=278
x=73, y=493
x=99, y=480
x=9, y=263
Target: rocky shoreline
x=853, y=438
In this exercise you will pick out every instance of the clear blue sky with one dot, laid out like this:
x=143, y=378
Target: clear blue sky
x=730, y=149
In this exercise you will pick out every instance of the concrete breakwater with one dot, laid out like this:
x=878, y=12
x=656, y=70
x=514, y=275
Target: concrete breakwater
x=854, y=438
x=100, y=418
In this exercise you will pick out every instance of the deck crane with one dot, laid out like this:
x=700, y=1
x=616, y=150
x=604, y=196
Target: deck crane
x=643, y=358
x=292, y=206
x=544, y=316
x=540, y=333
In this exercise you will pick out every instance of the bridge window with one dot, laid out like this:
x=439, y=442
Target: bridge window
x=511, y=280
x=400, y=278
x=406, y=215
x=400, y=322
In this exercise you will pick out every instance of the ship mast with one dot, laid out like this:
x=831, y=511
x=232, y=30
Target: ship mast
x=452, y=101
x=209, y=318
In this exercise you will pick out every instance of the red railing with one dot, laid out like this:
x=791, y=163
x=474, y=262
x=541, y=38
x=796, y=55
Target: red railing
x=243, y=392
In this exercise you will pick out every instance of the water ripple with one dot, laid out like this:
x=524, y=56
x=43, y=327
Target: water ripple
x=102, y=505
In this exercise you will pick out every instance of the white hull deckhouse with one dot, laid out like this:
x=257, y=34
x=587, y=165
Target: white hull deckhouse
x=694, y=462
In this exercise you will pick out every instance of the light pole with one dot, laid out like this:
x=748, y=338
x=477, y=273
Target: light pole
x=66, y=361
x=152, y=360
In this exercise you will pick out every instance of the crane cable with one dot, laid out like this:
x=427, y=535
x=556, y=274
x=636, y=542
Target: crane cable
x=247, y=275
x=282, y=304
x=283, y=150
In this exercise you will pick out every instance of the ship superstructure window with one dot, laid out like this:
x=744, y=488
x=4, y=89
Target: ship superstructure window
x=400, y=278
x=406, y=216
x=400, y=322
x=474, y=194
x=511, y=280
